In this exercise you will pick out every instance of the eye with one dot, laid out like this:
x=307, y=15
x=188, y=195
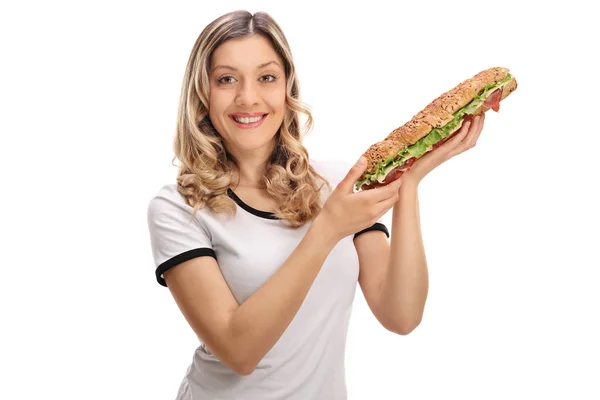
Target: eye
x=220, y=80
x=273, y=78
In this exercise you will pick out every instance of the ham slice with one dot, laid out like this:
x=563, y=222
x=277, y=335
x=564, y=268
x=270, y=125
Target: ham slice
x=392, y=175
x=493, y=101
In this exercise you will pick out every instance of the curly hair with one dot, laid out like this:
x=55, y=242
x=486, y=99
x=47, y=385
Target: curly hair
x=206, y=166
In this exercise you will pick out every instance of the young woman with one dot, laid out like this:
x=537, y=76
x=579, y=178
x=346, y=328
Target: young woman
x=260, y=253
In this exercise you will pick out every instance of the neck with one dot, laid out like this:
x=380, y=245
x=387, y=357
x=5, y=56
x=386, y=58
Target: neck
x=249, y=173
x=251, y=167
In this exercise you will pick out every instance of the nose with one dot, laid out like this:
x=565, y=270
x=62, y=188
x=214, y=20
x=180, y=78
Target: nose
x=247, y=94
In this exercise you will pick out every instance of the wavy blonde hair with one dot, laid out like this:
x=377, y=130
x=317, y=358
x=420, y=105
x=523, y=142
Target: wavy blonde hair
x=206, y=166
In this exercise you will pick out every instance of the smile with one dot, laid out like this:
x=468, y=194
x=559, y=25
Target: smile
x=248, y=122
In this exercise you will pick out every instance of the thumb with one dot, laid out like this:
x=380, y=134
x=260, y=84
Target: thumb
x=352, y=176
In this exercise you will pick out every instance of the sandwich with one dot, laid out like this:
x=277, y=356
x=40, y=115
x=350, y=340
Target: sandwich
x=432, y=126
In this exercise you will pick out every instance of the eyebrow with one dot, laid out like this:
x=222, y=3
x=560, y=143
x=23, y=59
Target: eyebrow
x=259, y=67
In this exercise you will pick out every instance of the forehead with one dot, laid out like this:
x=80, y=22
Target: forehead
x=245, y=54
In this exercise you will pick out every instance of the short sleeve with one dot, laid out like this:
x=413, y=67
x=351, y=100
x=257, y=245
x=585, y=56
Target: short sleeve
x=377, y=226
x=175, y=236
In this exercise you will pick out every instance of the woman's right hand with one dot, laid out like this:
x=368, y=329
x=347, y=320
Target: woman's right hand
x=346, y=212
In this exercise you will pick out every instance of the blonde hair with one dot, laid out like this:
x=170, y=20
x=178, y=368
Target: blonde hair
x=205, y=171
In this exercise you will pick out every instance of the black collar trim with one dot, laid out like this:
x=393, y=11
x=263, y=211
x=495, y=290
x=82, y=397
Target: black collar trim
x=251, y=210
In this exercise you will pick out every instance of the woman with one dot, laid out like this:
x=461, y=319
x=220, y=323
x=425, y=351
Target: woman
x=260, y=254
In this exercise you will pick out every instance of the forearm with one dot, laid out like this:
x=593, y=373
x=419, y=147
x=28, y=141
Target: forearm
x=257, y=324
x=404, y=291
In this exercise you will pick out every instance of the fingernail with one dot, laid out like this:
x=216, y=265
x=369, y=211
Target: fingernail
x=361, y=161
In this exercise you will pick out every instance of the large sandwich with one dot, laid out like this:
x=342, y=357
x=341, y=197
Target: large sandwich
x=390, y=158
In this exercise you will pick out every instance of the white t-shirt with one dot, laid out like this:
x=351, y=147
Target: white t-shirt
x=307, y=362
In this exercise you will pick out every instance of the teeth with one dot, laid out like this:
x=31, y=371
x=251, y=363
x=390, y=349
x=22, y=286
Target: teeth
x=247, y=120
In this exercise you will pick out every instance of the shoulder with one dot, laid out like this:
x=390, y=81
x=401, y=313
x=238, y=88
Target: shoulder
x=168, y=204
x=166, y=198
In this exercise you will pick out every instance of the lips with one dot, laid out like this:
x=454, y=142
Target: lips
x=253, y=124
x=247, y=115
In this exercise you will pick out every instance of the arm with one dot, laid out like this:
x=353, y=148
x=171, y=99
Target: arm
x=394, y=279
x=404, y=289
x=241, y=335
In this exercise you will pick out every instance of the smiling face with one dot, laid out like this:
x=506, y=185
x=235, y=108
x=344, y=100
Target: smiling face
x=247, y=95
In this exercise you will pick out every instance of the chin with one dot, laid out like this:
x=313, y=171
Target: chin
x=253, y=144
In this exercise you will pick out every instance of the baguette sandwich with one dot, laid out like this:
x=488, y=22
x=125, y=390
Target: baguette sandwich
x=389, y=159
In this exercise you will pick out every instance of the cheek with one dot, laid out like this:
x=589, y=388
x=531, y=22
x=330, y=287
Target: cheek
x=217, y=105
x=279, y=103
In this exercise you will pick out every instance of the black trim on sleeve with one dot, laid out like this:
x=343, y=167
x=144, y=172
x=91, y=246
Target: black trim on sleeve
x=178, y=259
x=377, y=226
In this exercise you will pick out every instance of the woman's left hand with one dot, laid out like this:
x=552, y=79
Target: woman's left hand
x=461, y=141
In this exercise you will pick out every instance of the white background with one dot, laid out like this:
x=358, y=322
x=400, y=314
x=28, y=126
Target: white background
x=89, y=97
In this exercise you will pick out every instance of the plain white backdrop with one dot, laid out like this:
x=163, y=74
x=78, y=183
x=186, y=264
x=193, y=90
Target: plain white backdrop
x=89, y=95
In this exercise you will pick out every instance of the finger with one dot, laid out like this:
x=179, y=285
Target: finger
x=479, y=123
x=385, y=205
x=477, y=133
x=468, y=126
x=464, y=129
x=474, y=133
x=457, y=137
x=470, y=139
x=382, y=193
x=393, y=189
x=461, y=137
x=347, y=184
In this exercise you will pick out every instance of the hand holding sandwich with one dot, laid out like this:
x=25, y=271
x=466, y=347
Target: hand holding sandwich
x=463, y=140
x=346, y=212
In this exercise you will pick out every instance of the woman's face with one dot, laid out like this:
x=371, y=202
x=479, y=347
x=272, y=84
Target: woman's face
x=247, y=81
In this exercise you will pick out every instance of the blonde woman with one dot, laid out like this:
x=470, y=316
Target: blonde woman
x=261, y=246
